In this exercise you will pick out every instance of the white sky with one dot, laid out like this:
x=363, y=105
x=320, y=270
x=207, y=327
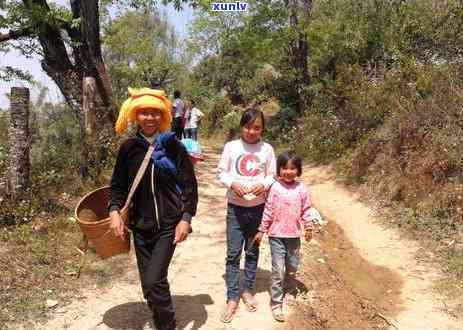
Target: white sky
x=180, y=20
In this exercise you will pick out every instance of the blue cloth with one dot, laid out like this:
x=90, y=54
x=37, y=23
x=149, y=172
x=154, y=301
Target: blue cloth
x=192, y=146
x=162, y=158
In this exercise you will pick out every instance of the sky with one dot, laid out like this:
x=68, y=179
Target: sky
x=180, y=20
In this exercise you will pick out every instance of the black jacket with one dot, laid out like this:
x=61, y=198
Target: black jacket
x=171, y=205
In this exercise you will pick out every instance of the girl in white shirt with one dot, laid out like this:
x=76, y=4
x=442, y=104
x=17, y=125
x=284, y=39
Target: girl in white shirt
x=247, y=168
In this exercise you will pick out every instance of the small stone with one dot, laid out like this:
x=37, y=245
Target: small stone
x=51, y=303
x=321, y=260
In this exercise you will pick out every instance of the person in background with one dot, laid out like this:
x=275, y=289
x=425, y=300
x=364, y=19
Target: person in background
x=247, y=167
x=177, y=115
x=287, y=210
x=193, y=118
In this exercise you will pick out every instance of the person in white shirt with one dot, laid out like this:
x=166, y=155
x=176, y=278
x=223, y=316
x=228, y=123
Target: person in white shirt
x=177, y=115
x=247, y=168
x=193, y=118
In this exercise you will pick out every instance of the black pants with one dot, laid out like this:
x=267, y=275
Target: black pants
x=154, y=250
x=177, y=127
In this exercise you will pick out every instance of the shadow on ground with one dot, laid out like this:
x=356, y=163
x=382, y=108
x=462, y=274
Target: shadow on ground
x=190, y=310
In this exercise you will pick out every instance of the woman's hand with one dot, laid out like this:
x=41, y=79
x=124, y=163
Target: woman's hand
x=181, y=231
x=117, y=224
x=239, y=189
x=257, y=189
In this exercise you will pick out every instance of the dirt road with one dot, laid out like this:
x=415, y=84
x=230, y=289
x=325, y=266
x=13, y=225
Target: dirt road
x=377, y=266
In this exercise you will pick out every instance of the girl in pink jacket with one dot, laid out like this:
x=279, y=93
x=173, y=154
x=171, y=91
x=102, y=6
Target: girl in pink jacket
x=286, y=211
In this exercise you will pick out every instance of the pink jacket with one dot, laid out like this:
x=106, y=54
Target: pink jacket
x=287, y=207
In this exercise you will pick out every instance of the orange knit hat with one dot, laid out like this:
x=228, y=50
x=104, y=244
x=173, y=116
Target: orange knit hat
x=144, y=98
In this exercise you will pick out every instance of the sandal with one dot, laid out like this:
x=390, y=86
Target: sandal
x=249, y=301
x=277, y=313
x=229, y=312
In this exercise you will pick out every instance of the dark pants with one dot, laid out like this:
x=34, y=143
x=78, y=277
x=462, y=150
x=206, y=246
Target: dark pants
x=242, y=224
x=177, y=127
x=191, y=133
x=154, y=252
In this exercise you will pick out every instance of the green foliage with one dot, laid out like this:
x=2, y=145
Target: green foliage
x=55, y=147
x=218, y=109
x=141, y=46
x=219, y=39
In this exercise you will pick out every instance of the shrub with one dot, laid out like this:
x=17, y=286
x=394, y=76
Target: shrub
x=415, y=157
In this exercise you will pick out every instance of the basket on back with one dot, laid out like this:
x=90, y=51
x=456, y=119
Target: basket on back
x=93, y=218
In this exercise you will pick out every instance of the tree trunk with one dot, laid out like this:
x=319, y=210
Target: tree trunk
x=19, y=141
x=300, y=13
x=90, y=103
x=91, y=55
x=67, y=63
x=91, y=124
x=86, y=54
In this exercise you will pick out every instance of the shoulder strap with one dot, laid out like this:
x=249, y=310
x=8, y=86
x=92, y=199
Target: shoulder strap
x=140, y=173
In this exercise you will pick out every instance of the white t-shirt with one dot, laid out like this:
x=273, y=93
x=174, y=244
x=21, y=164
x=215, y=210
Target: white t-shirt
x=247, y=164
x=178, y=108
x=192, y=118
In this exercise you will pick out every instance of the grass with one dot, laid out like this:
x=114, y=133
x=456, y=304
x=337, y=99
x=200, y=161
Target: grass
x=40, y=261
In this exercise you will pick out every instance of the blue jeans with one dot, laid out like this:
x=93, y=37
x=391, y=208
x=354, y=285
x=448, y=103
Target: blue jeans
x=285, y=261
x=242, y=224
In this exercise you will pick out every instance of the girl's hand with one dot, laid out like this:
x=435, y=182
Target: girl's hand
x=258, y=237
x=116, y=224
x=308, y=235
x=257, y=189
x=239, y=189
x=181, y=231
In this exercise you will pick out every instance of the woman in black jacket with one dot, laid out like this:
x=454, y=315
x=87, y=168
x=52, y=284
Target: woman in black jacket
x=163, y=203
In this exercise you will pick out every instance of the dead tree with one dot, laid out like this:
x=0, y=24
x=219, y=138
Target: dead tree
x=91, y=109
x=19, y=141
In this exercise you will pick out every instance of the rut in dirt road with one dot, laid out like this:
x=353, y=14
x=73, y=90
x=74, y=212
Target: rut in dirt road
x=378, y=263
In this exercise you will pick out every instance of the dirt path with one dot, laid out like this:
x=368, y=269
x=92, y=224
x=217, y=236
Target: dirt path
x=196, y=278
x=383, y=267
x=388, y=270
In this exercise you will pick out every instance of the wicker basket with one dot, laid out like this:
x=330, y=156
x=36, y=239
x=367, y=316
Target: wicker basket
x=92, y=215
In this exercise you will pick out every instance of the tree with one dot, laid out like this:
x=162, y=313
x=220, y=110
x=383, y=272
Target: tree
x=68, y=42
x=69, y=45
x=299, y=20
x=139, y=47
x=232, y=47
x=19, y=141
